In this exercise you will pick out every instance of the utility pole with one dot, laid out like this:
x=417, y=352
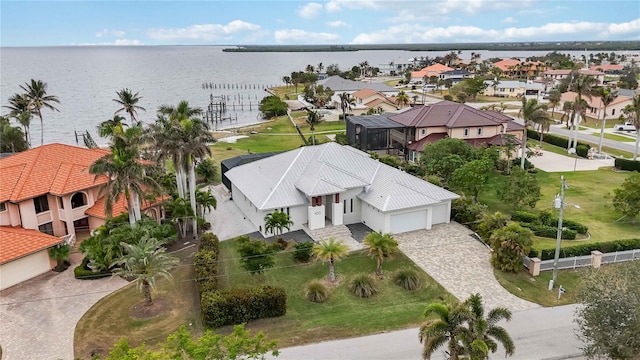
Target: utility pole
x=558, y=203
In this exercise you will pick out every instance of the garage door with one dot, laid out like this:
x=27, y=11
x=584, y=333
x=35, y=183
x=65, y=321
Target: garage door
x=25, y=268
x=410, y=221
x=440, y=215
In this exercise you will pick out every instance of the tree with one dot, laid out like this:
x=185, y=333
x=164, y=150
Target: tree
x=473, y=86
x=626, y=198
x=402, y=99
x=633, y=113
x=286, y=80
x=483, y=333
x=508, y=148
x=467, y=212
x=510, y=243
x=256, y=255
x=181, y=211
x=36, y=92
x=144, y=262
x=205, y=202
x=330, y=250
x=12, y=139
x=272, y=106
x=380, y=246
x=20, y=110
x=583, y=86
x=520, y=188
x=60, y=253
x=554, y=100
x=207, y=171
x=446, y=328
x=531, y=112
x=606, y=96
x=472, y=177
x=346, y=103
x=240, y=344
x=313, y=119
x=491, y=223
x=276, y=222
x=609, y=318
x=129, y=103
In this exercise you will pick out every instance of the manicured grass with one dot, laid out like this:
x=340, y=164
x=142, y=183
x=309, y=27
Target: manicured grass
x=563, y=151
x=592, y=190
x=110, y=319
x=342, y=315
x=614, y=137
x=283, y=91
x=535, y=289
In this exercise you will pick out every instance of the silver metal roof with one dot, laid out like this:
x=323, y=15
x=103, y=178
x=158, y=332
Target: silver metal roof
x=291, y=178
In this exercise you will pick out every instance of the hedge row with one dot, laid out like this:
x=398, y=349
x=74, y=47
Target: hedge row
x=585, y=249
x=625, y=164
x=237, y=306
x=548, y=219
x=205, y=263
x=549, y=231
x=83, y=272
x=581, y=149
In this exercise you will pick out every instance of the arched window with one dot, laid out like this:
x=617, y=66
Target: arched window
x=78, y=199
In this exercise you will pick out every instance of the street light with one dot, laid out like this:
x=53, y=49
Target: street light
x=559, y=203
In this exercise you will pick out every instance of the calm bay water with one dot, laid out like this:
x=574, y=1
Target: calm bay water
x=86, y=79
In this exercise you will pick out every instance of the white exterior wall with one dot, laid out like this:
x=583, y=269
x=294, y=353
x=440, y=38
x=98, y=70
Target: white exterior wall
x=248, y=209
x=373, y=217
x=25, y=268
x=420, y=223
x=351, y=217
x=441, y=213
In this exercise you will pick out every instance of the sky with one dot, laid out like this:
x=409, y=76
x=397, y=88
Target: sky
x=238, y=22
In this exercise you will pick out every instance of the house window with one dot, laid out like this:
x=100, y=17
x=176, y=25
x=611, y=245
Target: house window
x=287, y=211
x=423, y=131
x=344, y=207
x=479, y=131
x=511, y=89
x=466, y=132
x=46, y=228
x=351, y=206
x=3, y=206
x=78, y=199
x=613, y=111
x=41, y=204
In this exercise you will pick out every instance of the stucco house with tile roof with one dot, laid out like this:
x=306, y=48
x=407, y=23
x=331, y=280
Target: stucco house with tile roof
x=372, y=99
x=48, y=189
x=334, y=185
x=429, y=71
x=595, y=105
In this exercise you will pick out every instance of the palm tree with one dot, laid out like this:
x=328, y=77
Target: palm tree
x=583, y=86
x=11, y=137
x=19, y=109
x=129, y=102
x=510, y=243
x=402, y=99
x=313, y=119
x=60, y=253
x=633, y=112
x=380, y=246
x=606, y=96
x=145, y=261
x=36, y=92
x=446, y=328
x=181, y=211
x=205, y=201
x=286, y=80
x=330, y=251
x=346, y=102
x=483, y=334
x=319, y=68
x=276, y=222
x=531, y=112
x=554, y=101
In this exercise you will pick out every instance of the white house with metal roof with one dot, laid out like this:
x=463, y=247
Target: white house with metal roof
x=331, y=184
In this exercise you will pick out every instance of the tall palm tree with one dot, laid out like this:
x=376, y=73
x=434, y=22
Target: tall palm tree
x=129, y=103
x=606, y=96
x=330, y=250
x=531, y=112
x=402, y=99
x=583, y=86
x=484, y=334
x=446, y=328
x=276, y=222
x=20, y=110
x=346, y=102
x=380, y=246
x=313, y=119
x=633, y=112
x=205, y=202
x=36, y=92
x=554, y=101
x=145, y=261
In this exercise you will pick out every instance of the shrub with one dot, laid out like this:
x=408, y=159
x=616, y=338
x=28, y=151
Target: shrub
x=363, y=286
x=548, y=219
x=257, y=255
x=237, y=306
x=524, y=216
x=316, y=291
x=83, y=272
x=582, y=151
x=557, y=141
x=549, y=231
x=625, y=164
x=407, y=279
x=585, y=249
x=302, y=251
x=205, y=263
x=342, y=138
x=434, y=179
x=534, y=253
x=448, y=97
x=528, y=165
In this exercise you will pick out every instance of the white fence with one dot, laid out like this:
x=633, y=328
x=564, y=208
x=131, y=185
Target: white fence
x=586, y=260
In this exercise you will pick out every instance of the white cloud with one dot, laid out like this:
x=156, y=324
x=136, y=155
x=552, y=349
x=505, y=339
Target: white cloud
x=508, y=19
x=441, y=12
x=415, y=33
x=337, y=23
x=337, y=5
x=109, y=32
x=310, y=10
x=295, y=36
x=203, y=32
x=127, y=42
x=118, y=42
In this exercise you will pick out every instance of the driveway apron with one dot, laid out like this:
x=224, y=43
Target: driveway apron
x=227, y=220
x=460, y=263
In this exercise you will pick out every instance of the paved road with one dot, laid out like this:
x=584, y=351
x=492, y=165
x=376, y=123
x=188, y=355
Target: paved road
x=544, y=333
x=624, y=146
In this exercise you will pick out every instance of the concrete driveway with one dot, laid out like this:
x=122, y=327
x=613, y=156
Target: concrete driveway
x=552, y=162
x=459, y=263
x=227, y=221
x=38, y=317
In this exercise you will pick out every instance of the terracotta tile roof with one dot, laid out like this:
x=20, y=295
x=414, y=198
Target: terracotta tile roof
x=54, y=168
x=431, y=138
x=505, y=64
x=119, y=207
x=16, y=242
x=365, y=93
x=378, y=101
x=496, y=140
x=432, y=70
x=567, y=72
x=448, y=114
x=608, y=67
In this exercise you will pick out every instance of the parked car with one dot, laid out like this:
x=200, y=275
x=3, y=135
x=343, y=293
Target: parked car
x=628, y=126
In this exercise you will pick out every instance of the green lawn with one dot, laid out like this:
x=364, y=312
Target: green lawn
x=535, y=289
x=343, y=315
x=590, y=189
x=614, y=137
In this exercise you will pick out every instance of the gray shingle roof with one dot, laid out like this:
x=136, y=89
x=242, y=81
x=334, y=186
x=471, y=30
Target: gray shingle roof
x=290, y=178
x=336, y=83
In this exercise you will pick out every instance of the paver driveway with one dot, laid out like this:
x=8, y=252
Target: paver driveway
x=38, y=317
x=459, y=263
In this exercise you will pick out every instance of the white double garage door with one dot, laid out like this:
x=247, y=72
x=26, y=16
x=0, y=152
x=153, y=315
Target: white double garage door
x=418, y=219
